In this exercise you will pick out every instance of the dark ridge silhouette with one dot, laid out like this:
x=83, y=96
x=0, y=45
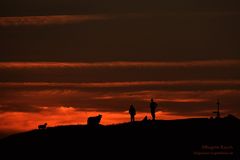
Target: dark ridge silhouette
x=231, y=117
x=159, y=139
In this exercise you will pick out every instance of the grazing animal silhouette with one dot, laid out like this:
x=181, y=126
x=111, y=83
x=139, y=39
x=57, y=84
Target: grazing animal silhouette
x=43, y=126
x=93, y=121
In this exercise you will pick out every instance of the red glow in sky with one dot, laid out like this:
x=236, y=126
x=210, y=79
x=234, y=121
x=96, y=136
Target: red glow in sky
x=62, y=61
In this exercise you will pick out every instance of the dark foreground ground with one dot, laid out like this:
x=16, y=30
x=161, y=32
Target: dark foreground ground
x=216, y=139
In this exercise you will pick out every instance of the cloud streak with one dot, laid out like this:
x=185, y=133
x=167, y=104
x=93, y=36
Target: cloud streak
x=120, y=64
x=69, y=19
x=120, y=84
x=113, y=101
x=49, y=20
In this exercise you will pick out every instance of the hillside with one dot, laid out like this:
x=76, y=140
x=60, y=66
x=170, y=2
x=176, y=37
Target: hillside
x=186, y=138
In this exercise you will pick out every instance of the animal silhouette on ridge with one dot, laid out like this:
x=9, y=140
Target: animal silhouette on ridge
x=42, y=126
x=94, y=121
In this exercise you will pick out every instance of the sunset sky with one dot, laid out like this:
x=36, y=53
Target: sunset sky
x=62, y=61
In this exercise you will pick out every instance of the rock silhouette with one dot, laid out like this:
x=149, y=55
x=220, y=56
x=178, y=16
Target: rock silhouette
x=145, y=119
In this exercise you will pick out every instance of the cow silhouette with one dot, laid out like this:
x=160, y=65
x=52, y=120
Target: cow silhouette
x=42, y=126
x=94, y=121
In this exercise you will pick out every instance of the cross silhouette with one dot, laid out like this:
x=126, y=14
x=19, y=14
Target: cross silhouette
x=218, y=109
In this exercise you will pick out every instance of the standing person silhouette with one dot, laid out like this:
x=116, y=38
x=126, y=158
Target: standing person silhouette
x=132, y=112
x=153, y=106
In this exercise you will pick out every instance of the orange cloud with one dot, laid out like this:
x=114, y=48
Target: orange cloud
x=203, y=63
x=181, y=100
x=120, y=84
x=68, y=19
x=49, y=20
x=111, y=101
